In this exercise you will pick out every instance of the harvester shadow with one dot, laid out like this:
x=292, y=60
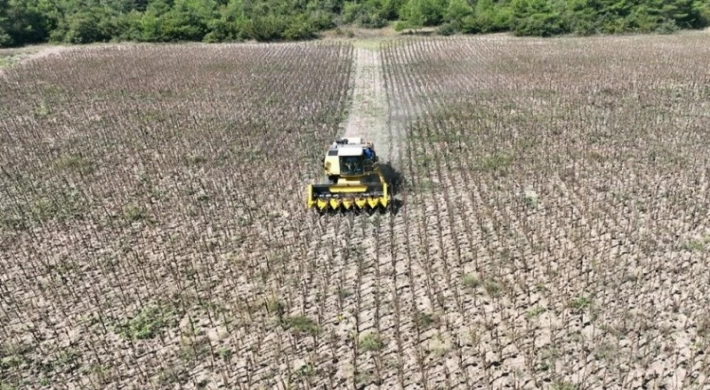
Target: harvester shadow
x=395, y=181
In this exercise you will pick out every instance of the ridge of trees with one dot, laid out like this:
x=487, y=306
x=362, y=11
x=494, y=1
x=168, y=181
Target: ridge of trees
x=85, y=21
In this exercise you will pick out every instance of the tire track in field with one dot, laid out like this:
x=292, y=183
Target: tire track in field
x=359, y=305
x=363, y=309
x=380, y=315
x=376, y=317
x=368, y=112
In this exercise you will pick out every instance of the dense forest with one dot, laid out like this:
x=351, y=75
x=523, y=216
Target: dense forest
x=84, y=21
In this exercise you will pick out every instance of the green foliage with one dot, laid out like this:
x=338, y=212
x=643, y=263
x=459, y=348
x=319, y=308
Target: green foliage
x=487, y=18
x=539, y=24
x=496, y=162
x=536, y=312
x=301, y=325
x=371, y=13
x=372, y=342
x=147, y=324
x=133, y=213
x=265, y=28
x=470, y=281
x=580, y=18
x=701, y=10
x=420, y=13
x=493, y=288
x=580, y=303
x=458, y=10
x=92, y=25
x=401, y=26
x=5, y=38
x=448, y=28
x=84, y=21
x=127, y=26
x=187, y=20
x=536, y=18
x=423, y=320
x=299, y=28
x=562, y=385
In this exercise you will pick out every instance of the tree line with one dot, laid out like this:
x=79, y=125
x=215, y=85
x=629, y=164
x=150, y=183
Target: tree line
x=85, y=21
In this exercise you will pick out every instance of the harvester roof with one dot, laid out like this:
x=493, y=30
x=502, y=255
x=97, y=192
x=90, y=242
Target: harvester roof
x=350, y=150
x=352, y=146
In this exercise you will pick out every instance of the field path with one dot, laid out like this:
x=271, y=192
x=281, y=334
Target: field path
x=369, y=111
x=42, y=52
x=364, y=260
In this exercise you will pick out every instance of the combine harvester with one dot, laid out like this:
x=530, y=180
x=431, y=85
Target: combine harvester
x=354, y=179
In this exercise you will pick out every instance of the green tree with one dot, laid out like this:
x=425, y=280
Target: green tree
x=458, y=10
x=300, y=27
x=265, y=28
x=5, y=38
x=88, y=26
x=701, y=10
x=21, y=22
x=536, y=18
x=152, y=19
x=488, y=17
x=420, y=13
x=83, y=21
x=128, y=26
x=579, y=17
x=231, y=23
x=371, y=13
x=188, y=20
x=683, y=12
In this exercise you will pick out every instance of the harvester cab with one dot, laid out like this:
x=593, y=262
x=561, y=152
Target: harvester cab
x=354, y=179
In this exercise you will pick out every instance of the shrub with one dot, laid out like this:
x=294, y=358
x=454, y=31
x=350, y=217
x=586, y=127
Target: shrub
x=5, y=39
x=265, y=28
x=301, y=325
x=147, y=324
x=667, y=27
x=299, y=28
x=449, y=28
x=487, y=21
x=401, y=26
x=372, y=342
x=364, y=15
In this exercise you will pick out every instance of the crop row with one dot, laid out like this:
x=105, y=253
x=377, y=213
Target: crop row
x=556, y=209
x=151, y=201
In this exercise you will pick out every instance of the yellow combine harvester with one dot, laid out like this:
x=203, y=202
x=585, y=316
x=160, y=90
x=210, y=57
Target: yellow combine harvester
x=354, y=178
